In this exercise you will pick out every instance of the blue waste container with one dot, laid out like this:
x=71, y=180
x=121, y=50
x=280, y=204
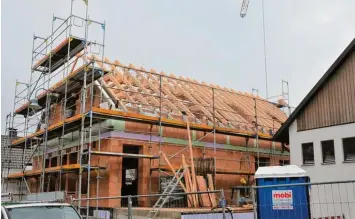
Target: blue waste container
x=291, y=202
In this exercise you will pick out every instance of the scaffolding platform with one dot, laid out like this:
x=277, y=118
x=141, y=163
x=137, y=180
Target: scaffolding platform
x=64, y=168
x=58, y=56
x=98, y=114
x=166, y=168
x=145, y=109
x=54, y=130
x=123, y=155
x=112, y=114
x=234, y=172
x=74, y=80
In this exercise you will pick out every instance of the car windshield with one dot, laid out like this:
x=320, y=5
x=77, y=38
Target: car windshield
x=43, y=212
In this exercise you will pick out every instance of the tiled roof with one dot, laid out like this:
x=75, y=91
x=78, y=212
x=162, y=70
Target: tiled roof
x=11, y=160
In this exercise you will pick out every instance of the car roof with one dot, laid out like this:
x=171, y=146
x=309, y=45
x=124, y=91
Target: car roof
x=35, y=205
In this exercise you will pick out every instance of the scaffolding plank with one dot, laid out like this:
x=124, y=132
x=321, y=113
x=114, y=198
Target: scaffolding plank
x=58, y=56
x=113, y=114
x=29, y=173
x=188, y=182
x=193, y=173
x=21, y=141
x=73, y=81
x=211, y=188
x=124, y=155
x=218, y=170
x=165, y=168
x=202, y=187
x=234, y=172
x=107, y=113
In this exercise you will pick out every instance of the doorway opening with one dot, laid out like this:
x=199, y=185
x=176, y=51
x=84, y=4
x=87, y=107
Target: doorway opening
x=130, y=173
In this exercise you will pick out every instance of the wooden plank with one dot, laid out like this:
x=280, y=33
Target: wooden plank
x=319, y=108
x=312, y=114
x=346, y=93
x=152, y=86
x=47, y=170
x=352, y=88
x=211, y=188
x=343, y=94
x=210, y=196
x=342, y=104
x=232, y=100
x=172, y=170
x=324, y=112
x=193, y=175
x=334, y=102
x=77, y=56
x=186, y=175
x=202, y=187
x=333, y=94
x=201, y=91
x=188, y=183
x=336, y=108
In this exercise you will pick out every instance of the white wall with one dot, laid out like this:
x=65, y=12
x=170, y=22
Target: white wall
x=325, y=199
x=13, y=186
x=319, y=172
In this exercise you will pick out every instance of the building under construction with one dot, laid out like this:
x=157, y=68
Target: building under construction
x=96, y=127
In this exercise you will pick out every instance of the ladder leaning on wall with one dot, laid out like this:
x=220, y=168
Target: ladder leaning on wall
x=166, y=194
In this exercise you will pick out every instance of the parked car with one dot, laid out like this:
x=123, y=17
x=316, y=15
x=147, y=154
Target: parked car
x=38, y=211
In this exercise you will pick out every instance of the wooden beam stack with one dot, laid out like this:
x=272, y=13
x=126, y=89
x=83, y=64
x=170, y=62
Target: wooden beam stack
x=194, y=183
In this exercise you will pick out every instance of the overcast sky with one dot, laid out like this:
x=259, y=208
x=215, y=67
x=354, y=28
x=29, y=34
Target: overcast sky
x=203, y=39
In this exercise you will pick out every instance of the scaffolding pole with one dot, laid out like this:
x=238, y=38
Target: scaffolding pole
x=64, y=109
x=27, y=115
x=47, y=111
x=213, y=108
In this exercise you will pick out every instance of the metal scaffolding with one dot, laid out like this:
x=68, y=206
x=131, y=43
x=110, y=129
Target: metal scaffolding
x=51, y=122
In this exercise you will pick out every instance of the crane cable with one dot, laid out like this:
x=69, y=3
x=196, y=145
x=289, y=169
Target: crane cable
x=265, y=62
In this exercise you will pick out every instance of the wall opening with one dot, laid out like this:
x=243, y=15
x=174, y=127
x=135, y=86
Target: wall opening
x=308, y=153
x=349, y=149
x=284, y=162
x=71, y=178
x=54, y=161
x=52, y=183
x=64, y=159
x=46, y=165
x=73, y=158
x=328, y=154
x=130, y=173
x=263, y=162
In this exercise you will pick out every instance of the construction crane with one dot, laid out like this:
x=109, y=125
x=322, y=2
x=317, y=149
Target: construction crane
x=244, y=8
